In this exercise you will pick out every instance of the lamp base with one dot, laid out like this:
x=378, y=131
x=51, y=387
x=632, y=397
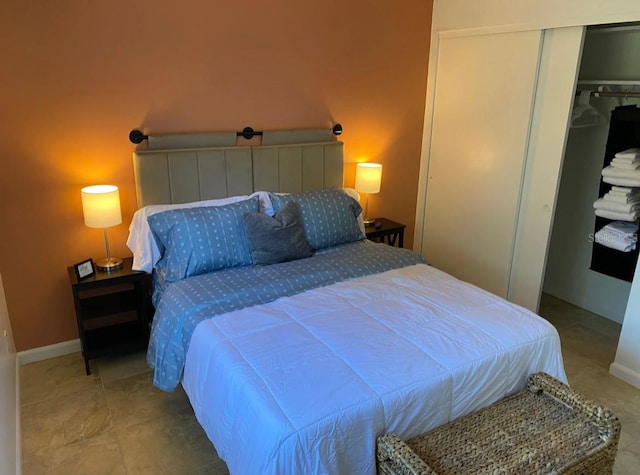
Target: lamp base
x=369, y=222
x=109, y=264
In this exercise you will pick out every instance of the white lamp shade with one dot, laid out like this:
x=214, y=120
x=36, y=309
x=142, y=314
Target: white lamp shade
x=368, y=177
x=101, y=206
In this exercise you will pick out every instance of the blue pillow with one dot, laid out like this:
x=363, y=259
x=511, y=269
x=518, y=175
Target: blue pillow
x=329, y=217
x=196, y=241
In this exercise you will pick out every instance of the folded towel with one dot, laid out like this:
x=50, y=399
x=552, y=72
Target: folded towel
x=613, y=172
x=633, y=194
x=625, y=189
x=620, y=235
x=629, y=153
x=624, y=165
x=621, y=228
x=604, y=213
x=615, y=241
x=621, y=194
x=626, y=160
x=621, y=198
x=621, y=181
x=615, y=206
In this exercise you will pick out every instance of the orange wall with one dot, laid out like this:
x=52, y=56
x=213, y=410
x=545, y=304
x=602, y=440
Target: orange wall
x=77, y=76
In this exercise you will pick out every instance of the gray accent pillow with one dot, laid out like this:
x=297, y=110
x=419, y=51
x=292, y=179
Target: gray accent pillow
x=276, y=239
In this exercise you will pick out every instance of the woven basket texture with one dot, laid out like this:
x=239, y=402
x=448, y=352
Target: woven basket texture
x=547, y=429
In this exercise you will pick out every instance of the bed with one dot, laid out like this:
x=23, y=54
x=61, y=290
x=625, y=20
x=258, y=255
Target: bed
x=297, y=365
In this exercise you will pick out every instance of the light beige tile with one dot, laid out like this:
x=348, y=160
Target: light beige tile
x=133, y=400
x=628, y=461
x=56, y=377
x=560, y=313
x=589, y=343
x=600, y=325
x=171, y=444
x=563, y=314
x=120, y=367
x=630, y=430
x=64, y=420
x=580, y=340
x=99, y=455
x=577, y=366
x=609, y=391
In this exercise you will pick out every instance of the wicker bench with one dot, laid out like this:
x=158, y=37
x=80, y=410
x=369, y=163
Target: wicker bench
x=546, y=429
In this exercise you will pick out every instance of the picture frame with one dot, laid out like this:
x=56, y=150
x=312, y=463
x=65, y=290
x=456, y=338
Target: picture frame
x=84, y=269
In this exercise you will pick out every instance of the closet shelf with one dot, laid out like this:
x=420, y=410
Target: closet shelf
x=614, y=88
x=624, y=133
x=608, y=82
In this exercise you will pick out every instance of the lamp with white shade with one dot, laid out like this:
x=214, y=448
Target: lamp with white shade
x=368, y=179
x=101, y=209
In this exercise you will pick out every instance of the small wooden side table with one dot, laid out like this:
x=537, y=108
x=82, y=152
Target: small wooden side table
x=388, y=232
x=113, y=311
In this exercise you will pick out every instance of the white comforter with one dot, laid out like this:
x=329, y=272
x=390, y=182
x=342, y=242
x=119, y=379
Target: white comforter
x=305, y=384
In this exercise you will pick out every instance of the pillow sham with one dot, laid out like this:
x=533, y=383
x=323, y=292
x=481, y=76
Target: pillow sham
x=277, y=239
x=267, y=208
x=329, y=217
x=199, y=240
x=141, y=241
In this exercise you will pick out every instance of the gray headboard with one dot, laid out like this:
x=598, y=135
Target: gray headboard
x=194, y=167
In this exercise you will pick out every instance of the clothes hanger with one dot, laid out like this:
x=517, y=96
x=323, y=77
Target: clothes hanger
x=584, y=114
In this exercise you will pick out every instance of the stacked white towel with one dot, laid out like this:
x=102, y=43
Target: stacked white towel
x=625, y=164
x=621, y=203
x=624, y=169
x=618, y=235
x=629, y=154
x=620, y=194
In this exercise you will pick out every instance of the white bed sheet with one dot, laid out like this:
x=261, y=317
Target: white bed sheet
x=305, y=384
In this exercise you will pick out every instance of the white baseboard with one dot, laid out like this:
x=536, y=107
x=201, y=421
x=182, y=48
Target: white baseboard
x=47, y=352
x=18, y=424
x=627, y=375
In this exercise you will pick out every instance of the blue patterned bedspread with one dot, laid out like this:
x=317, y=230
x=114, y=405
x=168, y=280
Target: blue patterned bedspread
x=186, y=303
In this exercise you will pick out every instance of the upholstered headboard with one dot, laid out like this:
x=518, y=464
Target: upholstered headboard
x=194, y=167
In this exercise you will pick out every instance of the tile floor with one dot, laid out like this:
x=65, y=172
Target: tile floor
x=114, y=422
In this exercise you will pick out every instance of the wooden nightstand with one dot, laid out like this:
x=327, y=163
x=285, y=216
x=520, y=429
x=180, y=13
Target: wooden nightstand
x=388, y=232
x=113, y=311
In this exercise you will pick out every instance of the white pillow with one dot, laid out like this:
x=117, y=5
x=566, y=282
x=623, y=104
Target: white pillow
x=356, y=196
x=141, y=241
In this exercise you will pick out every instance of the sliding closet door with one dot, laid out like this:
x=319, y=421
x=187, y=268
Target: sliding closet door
x=558, y=72
x=484, y=93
